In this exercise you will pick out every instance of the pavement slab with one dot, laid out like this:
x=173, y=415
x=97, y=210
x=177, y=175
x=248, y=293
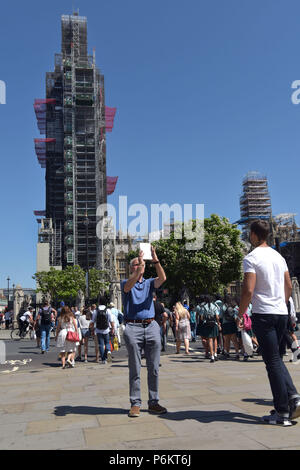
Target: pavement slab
x=210, y=406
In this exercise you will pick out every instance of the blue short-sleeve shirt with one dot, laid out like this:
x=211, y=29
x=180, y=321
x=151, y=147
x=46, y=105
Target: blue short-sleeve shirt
x=138, y=302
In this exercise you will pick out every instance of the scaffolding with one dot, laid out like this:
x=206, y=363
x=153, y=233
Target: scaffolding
x=284, y=228
x=74, y=120
x=255, y=202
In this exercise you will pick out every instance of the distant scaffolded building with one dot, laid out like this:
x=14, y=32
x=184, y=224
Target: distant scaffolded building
x=74, y=120
x=255, y=202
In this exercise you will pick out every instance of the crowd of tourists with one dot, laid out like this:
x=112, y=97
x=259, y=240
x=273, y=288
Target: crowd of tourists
x=73, y=328
x=215, y=321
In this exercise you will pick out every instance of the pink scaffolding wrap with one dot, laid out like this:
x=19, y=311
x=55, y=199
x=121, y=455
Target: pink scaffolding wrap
x=111, y=182
x=40, y=108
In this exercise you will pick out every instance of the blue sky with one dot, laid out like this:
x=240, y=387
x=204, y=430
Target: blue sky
x=203, y=95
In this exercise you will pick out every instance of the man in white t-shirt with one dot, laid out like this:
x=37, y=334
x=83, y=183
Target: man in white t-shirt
x=267, y=282
x=103, y=322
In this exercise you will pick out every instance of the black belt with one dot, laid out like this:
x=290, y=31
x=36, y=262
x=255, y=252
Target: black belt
x=146, y=321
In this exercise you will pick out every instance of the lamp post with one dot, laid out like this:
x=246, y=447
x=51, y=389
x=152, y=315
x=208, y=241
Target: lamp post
x=8, y=279
x=86, y=223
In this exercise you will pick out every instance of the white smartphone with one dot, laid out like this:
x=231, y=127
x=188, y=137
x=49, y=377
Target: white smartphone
x=146, y=248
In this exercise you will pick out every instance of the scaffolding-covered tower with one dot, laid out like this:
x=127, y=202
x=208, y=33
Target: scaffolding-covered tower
x=255, y=202
x=74, y=120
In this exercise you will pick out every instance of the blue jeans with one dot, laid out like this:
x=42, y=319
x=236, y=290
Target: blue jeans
x=45, y=337
x=193, y=330
x=164, y=337
x=269, y=330
x=104, y=346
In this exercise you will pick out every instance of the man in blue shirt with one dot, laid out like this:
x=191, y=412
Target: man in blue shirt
x=142, y=332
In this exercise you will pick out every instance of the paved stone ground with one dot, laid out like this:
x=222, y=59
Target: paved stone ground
x=210, y=406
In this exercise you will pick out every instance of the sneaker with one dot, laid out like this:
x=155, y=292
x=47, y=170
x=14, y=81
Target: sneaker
x=104, y=362
x=157, y=409
x=134, y=412
x=245, y=358
x=294, y=408
x=277, y=420
x=216, y=357
x=109, y=358
x=212, y=359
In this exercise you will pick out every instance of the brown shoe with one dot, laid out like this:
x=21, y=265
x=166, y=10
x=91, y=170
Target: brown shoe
x=134, y=412
x=157, y=409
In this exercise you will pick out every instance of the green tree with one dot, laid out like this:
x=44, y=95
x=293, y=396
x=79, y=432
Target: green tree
x=97, y=282
x=61, y=285
x=48, y=282
x=72, y=281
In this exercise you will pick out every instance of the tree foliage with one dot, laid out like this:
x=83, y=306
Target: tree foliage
x=67, y=283
x=97, y=282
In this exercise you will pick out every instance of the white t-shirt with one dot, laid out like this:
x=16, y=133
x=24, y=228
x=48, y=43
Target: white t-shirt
x=26, y=316
x=269, y=267
x=83, y=322
x=109, y=316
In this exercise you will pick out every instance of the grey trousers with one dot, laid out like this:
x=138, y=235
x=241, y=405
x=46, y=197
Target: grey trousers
x=140, y=337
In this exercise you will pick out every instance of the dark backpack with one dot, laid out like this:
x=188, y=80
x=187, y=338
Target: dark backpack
x=120, y=318
x=209, y=316
x=229, y=314
x=46, y=316
x=102, y=322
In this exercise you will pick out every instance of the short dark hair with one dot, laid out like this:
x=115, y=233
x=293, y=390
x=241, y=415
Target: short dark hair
x=261, y=228
x=102, y=300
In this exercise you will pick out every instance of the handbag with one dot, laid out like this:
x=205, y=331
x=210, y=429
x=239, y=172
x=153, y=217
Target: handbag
x=116, y=344
x=72, y=336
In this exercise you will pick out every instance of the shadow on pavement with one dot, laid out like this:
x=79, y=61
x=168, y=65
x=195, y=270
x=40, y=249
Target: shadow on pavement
x=29, y=352
x=259, y=401
x=52, y=364
x=212, y=416
x=200, y=416
x=88, y=410
x=190, y=360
